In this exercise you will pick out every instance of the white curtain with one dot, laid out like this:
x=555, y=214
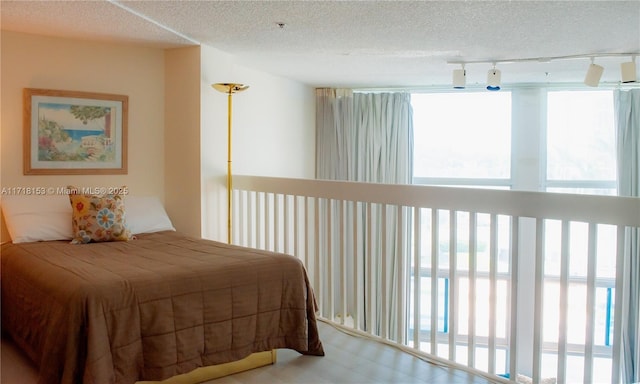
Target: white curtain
x=627, y=110
x=368, y=137
x=335, y=128
x=364, y=136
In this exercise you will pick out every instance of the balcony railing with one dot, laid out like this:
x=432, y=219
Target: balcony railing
x=485, y=280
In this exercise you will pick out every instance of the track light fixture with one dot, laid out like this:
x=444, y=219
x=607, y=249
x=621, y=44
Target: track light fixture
x=592, y=77
x=628, y=71
x=594, y=73
x=493, y=79
x=459, y=78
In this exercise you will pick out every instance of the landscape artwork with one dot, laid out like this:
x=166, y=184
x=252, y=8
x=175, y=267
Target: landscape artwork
x=74, y=132
x=69, y=132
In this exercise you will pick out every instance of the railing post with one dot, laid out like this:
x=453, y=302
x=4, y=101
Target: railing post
x=435, y=224
x=591, y=304
x=538, y=302
x=417, y=283
x=564, y=301
x=473, y=244
x=514, y=293
x=493, y=288
x=620, y=298
x=453, y=283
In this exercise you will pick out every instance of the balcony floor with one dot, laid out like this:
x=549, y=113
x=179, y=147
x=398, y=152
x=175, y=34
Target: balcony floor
x=348, y=359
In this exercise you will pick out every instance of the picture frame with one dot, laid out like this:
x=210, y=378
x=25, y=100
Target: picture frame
x=74, y=133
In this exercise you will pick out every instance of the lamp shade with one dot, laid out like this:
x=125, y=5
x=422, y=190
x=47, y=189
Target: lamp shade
x=628, y=72
x=493, y=80
x=594, y=73
x=459, y=78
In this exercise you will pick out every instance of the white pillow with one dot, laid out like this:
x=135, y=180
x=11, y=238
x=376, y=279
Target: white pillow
x=37, y=217
x=48, y=217
x=145, y=214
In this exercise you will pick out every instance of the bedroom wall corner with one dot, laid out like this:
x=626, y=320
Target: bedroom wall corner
x=182, y=139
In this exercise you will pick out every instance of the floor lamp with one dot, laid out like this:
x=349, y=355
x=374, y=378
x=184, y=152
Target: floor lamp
x=229, y=89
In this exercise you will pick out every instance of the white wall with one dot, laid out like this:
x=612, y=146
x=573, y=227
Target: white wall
x=276, y=130
x=273, y=132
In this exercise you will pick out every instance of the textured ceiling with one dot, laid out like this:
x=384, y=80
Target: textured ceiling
x=361, y=43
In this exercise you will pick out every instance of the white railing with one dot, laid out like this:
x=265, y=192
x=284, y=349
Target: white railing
x=487, y=280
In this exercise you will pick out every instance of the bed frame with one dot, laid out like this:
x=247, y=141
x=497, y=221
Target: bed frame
x=202, y=374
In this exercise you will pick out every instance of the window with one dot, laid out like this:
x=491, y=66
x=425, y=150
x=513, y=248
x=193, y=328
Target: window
x=580, y=142
x=580, y=159
x=465, y=139
x=463, y=136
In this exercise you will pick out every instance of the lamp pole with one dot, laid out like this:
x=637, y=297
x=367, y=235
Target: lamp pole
x=229, y=89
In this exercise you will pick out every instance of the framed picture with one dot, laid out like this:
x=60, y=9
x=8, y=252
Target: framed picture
x=74, y=133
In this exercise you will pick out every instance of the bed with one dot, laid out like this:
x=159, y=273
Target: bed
x=160, y=305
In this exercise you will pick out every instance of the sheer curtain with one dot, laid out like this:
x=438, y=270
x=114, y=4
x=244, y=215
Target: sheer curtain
x=627, y=110
x=368, y=137
x=364, y=136
x=335, y=131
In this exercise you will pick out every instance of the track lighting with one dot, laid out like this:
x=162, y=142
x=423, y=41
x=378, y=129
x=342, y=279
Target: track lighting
x=628, y=71
x=592, y=77
x=594, y=73
x=459, y=78
x=493, y=79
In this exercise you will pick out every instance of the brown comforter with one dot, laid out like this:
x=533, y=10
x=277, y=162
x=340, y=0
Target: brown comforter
x=151, y=308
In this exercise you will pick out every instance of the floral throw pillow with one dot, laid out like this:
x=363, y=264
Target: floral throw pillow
x=98, y=218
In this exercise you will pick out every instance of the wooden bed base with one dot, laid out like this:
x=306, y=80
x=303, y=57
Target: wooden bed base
x=199, y=375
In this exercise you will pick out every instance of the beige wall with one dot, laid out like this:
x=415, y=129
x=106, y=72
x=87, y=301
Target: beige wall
x=182, y=139
x=177, y=122
x=30, y=61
